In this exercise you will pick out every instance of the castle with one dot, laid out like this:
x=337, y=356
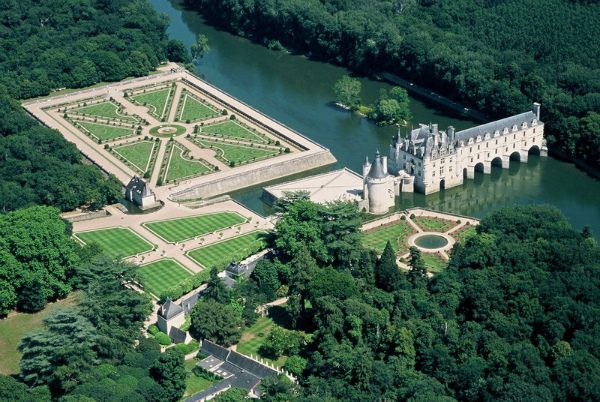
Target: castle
x=429, y=160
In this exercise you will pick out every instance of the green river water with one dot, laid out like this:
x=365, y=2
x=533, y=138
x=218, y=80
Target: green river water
x=298, y=92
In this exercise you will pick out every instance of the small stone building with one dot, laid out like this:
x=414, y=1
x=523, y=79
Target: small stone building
x=170, y=319
x=379, y=194
x=138, y=192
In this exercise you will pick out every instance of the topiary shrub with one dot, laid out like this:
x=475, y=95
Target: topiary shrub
x=153, y=329
x=412, y=216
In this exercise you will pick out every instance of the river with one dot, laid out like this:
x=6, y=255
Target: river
x=298, y=92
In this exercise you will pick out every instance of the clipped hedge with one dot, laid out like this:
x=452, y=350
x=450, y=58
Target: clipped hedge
x=188, y=348
x=185, y=286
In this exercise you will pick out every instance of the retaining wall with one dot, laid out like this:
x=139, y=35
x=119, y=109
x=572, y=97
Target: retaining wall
x=256, y=176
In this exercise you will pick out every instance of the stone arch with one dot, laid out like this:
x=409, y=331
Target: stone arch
x=465, y=173
x=534, y=150
x=442, y=184
x=515, y=156
x=480, y=167
x=497, y=161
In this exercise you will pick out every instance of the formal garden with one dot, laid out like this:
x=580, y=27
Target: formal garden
x=397, y=233
x=105, y=109
x=191, y=109
x=232, y=129
x=139, y=155
x=104, y=132
x=237, y=154
x=161, y=275
x=434, y=224
x=178, y=165
x=182, y=229
x=116, y=242
x=158, y=100
x=222, y=253
x=462, y=234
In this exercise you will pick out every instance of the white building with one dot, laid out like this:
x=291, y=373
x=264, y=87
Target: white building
x=138, y=192
x=438, y=160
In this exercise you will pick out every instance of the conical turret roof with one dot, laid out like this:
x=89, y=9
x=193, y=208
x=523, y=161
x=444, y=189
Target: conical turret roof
x=376, y=171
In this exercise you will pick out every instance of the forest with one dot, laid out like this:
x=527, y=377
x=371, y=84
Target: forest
x=514, y=317
x=49, y=45
x=495, y=56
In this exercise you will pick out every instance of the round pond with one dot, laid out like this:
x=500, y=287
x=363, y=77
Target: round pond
x=431, y=241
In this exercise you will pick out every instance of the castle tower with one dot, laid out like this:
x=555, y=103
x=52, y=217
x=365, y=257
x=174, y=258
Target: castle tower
x=380, y=187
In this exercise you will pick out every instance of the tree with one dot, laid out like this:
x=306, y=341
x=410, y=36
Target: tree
x=417, y=275
x=216, y=289
x=40, y=257
x=57, y=355
x=177, y=52
x=200, y=48
x=393, y=108
x=216, y=322
x=347, y=91
x=387, y=274
x=168, y=371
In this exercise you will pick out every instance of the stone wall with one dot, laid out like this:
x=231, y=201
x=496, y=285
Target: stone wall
x=252, y=177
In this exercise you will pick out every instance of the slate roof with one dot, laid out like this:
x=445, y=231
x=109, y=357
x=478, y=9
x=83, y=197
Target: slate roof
x=177, y=335
x=499, y=125
x=190, y=302
x=251, y=366
x=217, y=351
x=139, y=186
x=376, y=171
x=169, y=310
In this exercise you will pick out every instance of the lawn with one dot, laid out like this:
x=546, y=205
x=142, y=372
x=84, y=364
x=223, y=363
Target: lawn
x=105, y=109
x=138, y=154
x=234, y=130
x=194, y=110
x=462, y=234
x=194, y=383
x=253, y=338
x=396, y=233
x=156, y=101
x=433, y=262
x=162, y=275
x=220, y=254
x=429, y=224
x=180, y=167
x=104, y=132
x=13, y=329
x=238, y=154
x=116, y=242
x=180, y=229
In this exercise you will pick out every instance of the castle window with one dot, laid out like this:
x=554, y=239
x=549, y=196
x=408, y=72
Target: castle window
x=524, y=125
x=496, y=133
x=514, y=146
x=450, y=169
x=478, y=147
x=534, y=130
x=496, y=142
x=470, y=149
x=505, y=131
x=441, y=170
x=488, y=154
x=471, y=159
x=534, y=122
x=487, y=136
x=433, y=174
x=514, y=127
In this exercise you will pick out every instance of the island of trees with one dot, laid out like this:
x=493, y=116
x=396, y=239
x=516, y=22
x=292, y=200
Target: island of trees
x=390, y=108
x=497, y=57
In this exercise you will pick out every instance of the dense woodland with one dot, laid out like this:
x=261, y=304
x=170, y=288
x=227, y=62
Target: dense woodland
x=514, y=317
x=496, y=56
x=55, y=44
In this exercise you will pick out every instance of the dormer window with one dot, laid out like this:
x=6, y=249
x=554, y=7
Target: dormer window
x=514, y=127
x=478, y=138
x=487, y=136
x=505, y=131
x=496, y=133
x=534, y=122
x=470, y=141
x=524, y=125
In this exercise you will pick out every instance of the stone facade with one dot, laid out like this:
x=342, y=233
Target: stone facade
x=379, y=187
x=438, y=159
x=138, y=192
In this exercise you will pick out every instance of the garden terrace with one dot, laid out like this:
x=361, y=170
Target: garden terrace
x=162, y=275
x=116, y=242
x=181, y=229
x=222, y=253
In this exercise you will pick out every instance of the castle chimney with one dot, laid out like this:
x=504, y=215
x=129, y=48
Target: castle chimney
x=366, y=167
x=451, y=133
x=536, y=110
x=435, y=128
x=384, y=164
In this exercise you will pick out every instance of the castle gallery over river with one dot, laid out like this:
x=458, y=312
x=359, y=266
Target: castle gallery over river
x=429, y=160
